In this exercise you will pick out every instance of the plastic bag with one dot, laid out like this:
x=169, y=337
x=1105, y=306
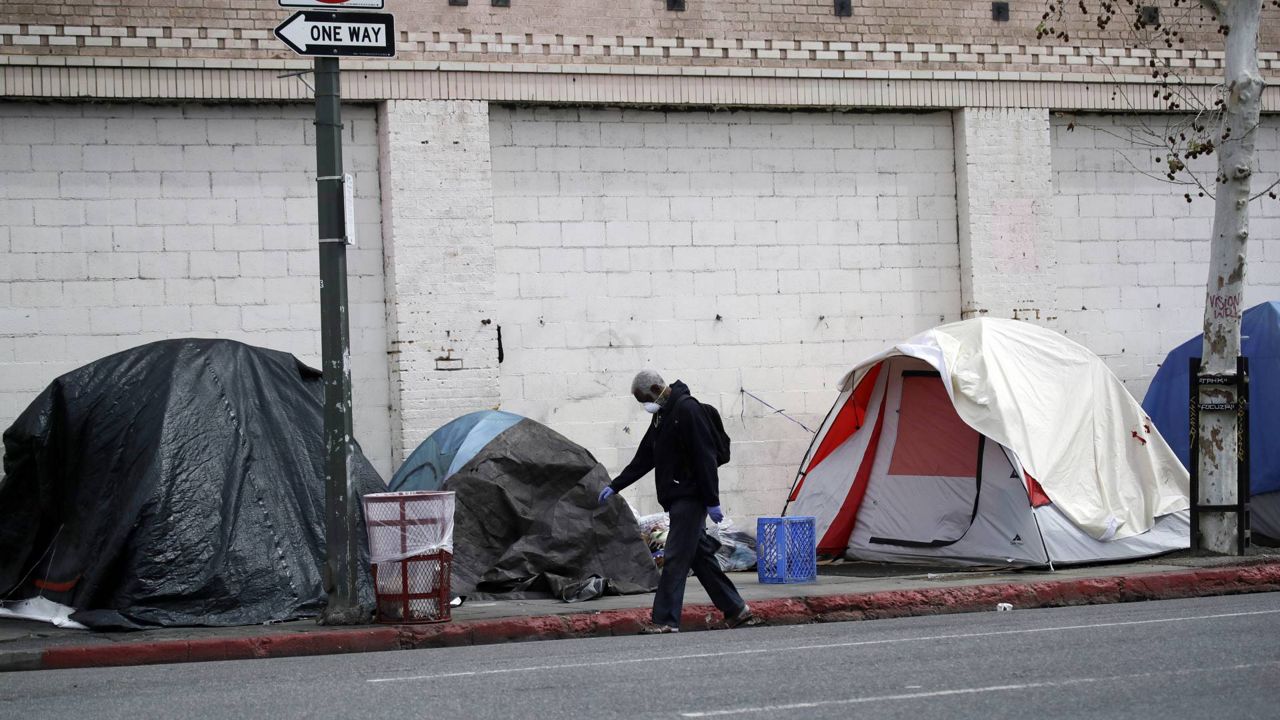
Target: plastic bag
x=405, y=524
x=653, y=530
x=42, y=609
x=737, y=549
x=589, y=589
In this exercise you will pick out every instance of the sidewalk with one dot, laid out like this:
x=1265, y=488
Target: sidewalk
x=851, y=591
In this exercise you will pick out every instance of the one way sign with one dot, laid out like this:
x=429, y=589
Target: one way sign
x=317, y=32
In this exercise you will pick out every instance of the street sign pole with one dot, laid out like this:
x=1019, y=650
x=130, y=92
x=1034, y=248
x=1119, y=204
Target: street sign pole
x=341, y=521
x=328, y=35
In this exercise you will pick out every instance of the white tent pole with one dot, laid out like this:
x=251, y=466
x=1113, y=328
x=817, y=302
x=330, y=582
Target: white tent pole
x=1043, y=545
x=1022, y=477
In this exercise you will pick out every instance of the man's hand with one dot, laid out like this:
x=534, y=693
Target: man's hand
x=605, y=494
x=716, y=514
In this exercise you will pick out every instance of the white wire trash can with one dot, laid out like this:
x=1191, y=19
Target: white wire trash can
x=411, y=550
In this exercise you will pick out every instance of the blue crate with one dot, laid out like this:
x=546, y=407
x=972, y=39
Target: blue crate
x=786, y=550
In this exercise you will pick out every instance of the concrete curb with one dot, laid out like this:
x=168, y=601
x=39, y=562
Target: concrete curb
x=787, y=611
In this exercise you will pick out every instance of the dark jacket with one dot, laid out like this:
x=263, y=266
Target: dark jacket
x=680, y=448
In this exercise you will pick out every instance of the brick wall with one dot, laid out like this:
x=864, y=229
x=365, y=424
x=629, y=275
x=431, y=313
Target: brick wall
x=1005, y=214
x=752, y=249
x=757, y=250
x=1133, y=254
x=907, y=21
x=125, y=224
x=927, y=36
x=438, y=218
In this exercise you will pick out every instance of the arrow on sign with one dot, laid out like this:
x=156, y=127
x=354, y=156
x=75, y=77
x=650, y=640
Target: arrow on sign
x=311, y=32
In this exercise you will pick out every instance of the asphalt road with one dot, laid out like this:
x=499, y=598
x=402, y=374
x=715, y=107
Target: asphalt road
x=1213, y=657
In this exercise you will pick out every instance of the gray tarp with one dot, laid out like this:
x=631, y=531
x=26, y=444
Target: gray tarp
x=528, y=524
x=176, y=483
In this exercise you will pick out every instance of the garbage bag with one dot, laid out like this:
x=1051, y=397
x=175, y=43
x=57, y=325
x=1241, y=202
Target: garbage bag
x=737, y=549
x=589, y=589
x=176, y=483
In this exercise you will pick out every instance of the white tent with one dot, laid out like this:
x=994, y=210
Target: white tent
x=990, y=441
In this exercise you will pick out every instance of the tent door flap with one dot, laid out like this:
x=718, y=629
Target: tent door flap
x=982, y=444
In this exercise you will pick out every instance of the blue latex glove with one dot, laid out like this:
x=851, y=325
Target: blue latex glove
x=716, y=514
x=605, y=494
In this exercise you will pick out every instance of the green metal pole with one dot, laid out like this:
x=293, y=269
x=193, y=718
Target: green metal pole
x=341, y=541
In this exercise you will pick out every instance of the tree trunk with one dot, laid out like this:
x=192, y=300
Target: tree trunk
x=1224, y=300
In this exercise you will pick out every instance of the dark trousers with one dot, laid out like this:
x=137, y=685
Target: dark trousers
x=690, y=548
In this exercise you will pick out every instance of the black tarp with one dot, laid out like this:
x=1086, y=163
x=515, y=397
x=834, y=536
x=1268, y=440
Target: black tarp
x=176, y=483
x=527, y=523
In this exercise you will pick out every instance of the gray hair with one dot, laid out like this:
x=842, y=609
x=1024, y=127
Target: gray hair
x=645, y=380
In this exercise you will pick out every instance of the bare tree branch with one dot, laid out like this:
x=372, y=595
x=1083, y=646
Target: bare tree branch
x=1163, y=179
x=1266, y=190
x=1193, y=128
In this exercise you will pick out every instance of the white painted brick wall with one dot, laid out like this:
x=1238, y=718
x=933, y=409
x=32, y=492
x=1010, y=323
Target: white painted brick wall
x=621, y=235
x=438, y=222
x=1005, y=197
x=125, y=224
x=1133, y=254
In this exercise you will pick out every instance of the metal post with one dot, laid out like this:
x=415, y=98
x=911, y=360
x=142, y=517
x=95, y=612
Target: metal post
x=1243, y=538
x=1193, y=418
x=341, y=541
x=1238, y=510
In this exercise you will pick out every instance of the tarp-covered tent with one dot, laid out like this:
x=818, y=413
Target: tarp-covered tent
x=1168, y=397
x=176, y=483
x=527, y=522
x=991, y=442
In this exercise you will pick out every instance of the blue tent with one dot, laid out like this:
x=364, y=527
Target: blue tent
x=449, y=448
x=1166, y=402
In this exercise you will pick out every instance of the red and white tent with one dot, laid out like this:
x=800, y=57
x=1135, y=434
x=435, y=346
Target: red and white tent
x=990, y=441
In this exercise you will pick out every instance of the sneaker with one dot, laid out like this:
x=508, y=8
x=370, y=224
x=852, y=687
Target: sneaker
x=744, y=618
x=658, y=630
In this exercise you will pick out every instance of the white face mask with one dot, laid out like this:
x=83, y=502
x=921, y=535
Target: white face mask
x=651, y=407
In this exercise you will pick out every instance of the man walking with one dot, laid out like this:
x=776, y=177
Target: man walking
x=680, y=448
